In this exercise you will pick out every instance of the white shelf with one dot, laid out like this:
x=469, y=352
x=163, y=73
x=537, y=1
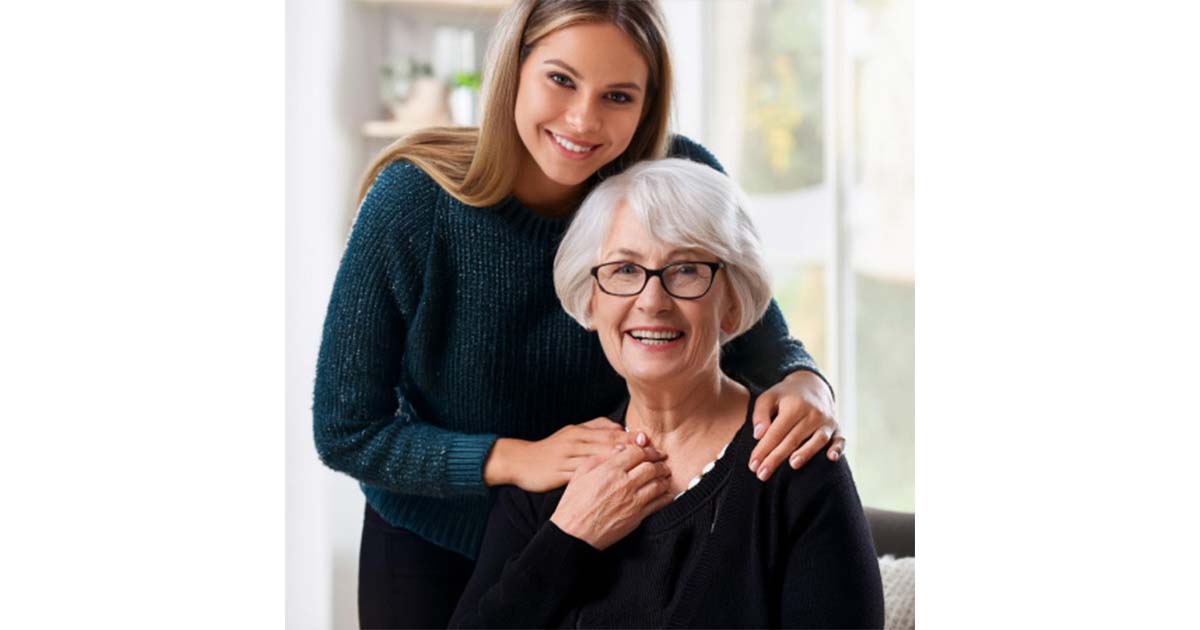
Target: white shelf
x=491, y=6
x=389, y=129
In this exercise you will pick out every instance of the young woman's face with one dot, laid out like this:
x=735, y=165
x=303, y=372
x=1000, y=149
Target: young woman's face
x=579, y=101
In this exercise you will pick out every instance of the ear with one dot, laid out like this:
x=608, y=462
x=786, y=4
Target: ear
x=590, y=311
x=731, y=313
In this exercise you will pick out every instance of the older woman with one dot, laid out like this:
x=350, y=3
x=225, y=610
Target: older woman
x=663, y=263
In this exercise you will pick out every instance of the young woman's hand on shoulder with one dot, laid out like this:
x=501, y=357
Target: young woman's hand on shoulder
x=803, y=423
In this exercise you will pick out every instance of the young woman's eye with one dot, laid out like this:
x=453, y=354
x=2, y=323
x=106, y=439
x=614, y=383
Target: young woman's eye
x=620, y=97
x=560, y=79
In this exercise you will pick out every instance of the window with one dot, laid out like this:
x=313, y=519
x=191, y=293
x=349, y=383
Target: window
x=808, y=104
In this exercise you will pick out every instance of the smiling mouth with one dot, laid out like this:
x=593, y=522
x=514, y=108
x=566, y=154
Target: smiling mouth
x=655, y=337
x=581, y=149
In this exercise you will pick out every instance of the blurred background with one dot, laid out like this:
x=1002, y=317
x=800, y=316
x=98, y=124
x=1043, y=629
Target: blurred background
x=807, y=103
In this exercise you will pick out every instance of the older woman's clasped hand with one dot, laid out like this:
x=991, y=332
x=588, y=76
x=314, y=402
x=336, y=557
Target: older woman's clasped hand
x=607, y=499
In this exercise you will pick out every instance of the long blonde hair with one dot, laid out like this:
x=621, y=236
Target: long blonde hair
x=476, y=165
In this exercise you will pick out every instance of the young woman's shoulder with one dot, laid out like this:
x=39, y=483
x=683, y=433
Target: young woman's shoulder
x=685, y=147
x=403, y=181
x=400, y=195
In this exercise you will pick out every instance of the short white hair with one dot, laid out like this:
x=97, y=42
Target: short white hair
x=683, y=203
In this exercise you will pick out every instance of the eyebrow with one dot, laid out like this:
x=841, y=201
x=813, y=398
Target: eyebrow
x=565, y=66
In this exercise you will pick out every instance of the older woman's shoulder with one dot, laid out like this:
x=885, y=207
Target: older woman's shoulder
x=813, y=482
x=685, y=147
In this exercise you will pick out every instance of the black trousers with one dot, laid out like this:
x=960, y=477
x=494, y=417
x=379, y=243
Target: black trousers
x=405, y=581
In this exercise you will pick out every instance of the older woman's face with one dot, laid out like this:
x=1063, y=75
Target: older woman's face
x=632, y=329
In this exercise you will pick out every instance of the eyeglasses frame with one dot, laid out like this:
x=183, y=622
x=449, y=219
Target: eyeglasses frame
x=651, y=273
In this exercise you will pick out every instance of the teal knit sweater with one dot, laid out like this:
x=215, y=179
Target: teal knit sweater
x=444, y=332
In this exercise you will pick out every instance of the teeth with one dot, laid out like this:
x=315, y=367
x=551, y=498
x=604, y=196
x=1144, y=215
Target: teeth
x=568, y=145
x=656, y=335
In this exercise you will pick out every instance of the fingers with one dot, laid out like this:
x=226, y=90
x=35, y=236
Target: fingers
x=657, y=503
x=602, y=423
x=648, y=471
x=764, y=409
x=786, y=447
x=837, y=447
x=606, y=436
x=627, y=457
x=589, y=464
x=654, y=495
x=811, y=447
x=789, y=416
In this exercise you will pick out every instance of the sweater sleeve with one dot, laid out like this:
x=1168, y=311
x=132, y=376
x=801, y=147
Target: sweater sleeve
x=526, y=571
x=362, y=425
x=766, y=353
x=831, y=579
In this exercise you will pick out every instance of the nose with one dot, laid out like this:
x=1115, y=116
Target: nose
x=582, y=115
x=654, y=298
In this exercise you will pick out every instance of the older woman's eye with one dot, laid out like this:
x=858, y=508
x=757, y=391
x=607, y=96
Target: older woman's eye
x=628, y=268
x=686, y=270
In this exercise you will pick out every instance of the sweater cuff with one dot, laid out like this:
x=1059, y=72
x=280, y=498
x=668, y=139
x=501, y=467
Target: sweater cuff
x=464, y=461
x=554, y=557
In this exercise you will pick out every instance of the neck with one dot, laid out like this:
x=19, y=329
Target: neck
x=679, y=414
x=541, y=194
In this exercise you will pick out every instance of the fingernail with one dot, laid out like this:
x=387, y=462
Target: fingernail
x=795, y=461
x=759, y=429
x=762, y=473
x=620, y=447
x=641, y=439
x=836, y=455
x=753, y=465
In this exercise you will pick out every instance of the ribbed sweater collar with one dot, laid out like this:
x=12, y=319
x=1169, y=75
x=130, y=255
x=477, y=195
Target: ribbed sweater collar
x=529, y=222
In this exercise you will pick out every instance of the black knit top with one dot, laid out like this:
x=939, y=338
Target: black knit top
x=444, y=332
x=732, y=552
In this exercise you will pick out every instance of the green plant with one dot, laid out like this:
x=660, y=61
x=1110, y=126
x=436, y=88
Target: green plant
x=470, y=80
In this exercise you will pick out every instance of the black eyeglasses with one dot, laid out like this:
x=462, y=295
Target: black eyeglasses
x=687, y=280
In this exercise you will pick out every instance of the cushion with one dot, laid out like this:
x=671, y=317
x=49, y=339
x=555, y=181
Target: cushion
x=899, y=588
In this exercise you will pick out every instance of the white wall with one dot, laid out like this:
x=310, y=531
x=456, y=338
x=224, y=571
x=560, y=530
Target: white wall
x=328, y=94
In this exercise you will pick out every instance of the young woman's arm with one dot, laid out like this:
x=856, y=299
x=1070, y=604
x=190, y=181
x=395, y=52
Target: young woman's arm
x=794, y=417
x=361, y=424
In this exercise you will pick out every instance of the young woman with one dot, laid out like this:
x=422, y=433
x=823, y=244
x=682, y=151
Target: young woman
x=447, y=365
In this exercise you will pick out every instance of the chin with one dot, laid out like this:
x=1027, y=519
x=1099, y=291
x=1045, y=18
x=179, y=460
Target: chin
x=570, y=175
x=649, y=374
